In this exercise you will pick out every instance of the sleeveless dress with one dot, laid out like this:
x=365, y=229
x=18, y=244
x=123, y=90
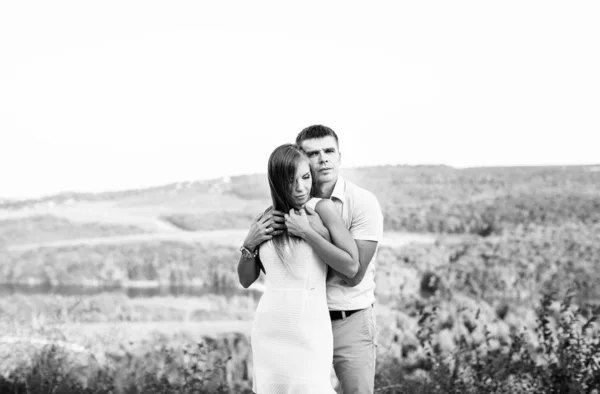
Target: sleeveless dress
x=291, y=339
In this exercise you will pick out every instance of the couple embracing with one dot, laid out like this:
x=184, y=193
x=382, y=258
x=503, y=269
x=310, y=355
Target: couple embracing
x=316, y=246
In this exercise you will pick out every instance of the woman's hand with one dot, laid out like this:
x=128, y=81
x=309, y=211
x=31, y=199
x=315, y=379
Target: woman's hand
x=297, y=223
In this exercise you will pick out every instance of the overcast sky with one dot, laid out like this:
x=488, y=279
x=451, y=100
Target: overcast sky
x=109, y=95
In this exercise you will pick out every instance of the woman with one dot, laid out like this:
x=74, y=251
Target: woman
x=292, y=342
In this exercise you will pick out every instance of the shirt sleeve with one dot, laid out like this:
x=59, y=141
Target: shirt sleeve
x=367, y=219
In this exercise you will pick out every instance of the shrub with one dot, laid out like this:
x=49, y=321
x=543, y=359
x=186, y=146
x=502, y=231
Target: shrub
x=197, y=368
x=566, y=359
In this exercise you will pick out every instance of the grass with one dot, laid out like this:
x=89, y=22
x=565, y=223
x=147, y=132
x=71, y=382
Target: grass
x=44, y=228
x=43, y=309
x=558, y=354
x=211, y=220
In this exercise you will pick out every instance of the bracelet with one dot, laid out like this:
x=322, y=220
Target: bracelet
x=247, y=253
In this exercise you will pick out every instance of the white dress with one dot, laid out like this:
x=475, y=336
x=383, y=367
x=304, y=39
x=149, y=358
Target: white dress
x=292, y=342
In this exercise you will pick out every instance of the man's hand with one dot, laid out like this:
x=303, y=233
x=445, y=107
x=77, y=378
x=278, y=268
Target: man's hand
x=264, y=227
x=297, y=223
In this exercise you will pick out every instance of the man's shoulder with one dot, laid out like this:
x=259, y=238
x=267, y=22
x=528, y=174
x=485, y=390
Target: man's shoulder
x=358, y=193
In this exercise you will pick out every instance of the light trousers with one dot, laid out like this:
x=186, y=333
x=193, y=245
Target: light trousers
x=354, y=351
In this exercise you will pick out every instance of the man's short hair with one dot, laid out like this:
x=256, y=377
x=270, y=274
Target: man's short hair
x=316, y=131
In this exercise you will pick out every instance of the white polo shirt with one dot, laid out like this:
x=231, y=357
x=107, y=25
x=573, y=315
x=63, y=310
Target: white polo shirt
x=362, y=214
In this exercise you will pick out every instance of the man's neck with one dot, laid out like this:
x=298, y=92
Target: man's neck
x=325, y=190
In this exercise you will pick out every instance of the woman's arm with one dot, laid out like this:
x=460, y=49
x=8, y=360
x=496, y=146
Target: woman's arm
x=342, y=254
x=317, y=223
x=264, y=227
x=249, y=270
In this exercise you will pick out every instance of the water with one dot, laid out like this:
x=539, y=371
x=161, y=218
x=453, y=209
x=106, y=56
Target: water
x=7, y=289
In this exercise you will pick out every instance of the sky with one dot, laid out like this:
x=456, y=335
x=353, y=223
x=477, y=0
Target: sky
x=114, y=95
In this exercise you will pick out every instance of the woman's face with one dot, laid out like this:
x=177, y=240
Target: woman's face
x=300, y=191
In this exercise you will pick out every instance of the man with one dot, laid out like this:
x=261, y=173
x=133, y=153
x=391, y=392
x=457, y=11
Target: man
x=350, y=299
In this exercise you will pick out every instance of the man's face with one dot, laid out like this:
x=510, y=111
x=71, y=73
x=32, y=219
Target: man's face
x=324, y=157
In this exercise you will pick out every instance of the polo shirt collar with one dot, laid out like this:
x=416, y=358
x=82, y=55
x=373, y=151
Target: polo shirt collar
x=338, y=189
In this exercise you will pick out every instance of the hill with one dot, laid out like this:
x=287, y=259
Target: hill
x=436, y=199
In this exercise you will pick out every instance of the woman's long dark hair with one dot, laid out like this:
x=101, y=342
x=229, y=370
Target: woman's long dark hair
x=283, y=164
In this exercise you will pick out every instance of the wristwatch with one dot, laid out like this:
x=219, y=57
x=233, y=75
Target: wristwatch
x=247, y=253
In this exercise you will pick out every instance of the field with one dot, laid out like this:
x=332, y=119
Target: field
x=136, y=291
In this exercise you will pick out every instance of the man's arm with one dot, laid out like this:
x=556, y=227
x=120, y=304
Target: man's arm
x=367, y=229
x=264, y=227
x=366, y=251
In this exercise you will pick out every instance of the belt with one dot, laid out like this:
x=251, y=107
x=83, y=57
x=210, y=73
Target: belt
x=336, y=315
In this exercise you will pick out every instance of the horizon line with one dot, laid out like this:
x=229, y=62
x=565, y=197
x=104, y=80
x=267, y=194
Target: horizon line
x=45, y=196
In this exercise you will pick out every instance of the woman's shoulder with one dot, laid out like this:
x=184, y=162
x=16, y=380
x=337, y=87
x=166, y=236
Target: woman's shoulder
x=322, y=205
x=312, y=203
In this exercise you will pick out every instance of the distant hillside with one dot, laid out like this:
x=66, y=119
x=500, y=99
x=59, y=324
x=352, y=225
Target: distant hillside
x=435, y=199
x=482, y=201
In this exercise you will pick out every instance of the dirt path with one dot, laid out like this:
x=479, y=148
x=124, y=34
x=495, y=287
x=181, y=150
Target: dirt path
x=219, y=237
x=96, y=212
x=147, y=217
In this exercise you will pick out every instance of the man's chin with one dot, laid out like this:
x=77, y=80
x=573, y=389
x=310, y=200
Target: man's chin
x=330, y=176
